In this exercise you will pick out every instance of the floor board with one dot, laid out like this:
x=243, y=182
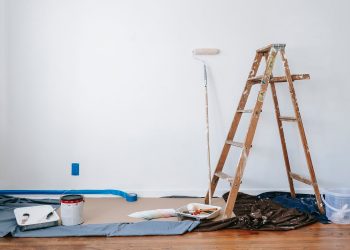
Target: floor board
x=316, y=236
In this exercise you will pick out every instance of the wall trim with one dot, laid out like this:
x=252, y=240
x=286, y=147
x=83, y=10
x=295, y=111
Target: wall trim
x=156, y=193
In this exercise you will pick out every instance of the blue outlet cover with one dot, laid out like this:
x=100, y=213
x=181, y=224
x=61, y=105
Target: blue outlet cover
x=75, y=169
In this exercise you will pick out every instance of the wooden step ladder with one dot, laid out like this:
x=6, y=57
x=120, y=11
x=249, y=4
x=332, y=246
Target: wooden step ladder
x=269, y=53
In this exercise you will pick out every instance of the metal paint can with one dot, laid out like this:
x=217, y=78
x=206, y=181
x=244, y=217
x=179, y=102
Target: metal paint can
x=72, y=209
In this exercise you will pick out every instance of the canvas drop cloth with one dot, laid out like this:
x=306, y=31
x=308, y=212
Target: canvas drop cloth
x=8, y=224
x=108, y=216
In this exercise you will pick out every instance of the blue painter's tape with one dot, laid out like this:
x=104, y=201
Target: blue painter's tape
x=75, y=169
x=130, y=197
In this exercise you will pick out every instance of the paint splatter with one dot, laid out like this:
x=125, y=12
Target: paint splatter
x=261, y=96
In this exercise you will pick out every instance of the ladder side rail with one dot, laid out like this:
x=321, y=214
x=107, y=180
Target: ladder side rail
x=302, y=131
x=234, y=126
x=230, y=203
x=281, y=133
x=282, y=138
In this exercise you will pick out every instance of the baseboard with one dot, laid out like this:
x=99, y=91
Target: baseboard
x=218, y=192
x=155, y=193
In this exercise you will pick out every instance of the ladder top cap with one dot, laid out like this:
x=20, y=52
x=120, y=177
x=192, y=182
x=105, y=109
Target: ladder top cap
x=267, y=48
x=278, y=45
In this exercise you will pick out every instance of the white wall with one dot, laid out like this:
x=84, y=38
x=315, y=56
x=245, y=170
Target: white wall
x=3, y=81
x=113, y=85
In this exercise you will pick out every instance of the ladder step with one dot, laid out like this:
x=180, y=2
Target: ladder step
x=255, y=79
x=300, y=178
x=295, y=77
x=288, y=119
x=236, y=144
x=244, y=111
x=224, y=176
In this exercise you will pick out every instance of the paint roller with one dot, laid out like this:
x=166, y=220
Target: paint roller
x=206, y=52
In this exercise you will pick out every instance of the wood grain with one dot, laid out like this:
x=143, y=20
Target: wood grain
x=317, y=236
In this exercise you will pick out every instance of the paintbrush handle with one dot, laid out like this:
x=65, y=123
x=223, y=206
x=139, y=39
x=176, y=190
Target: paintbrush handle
x=208, y=209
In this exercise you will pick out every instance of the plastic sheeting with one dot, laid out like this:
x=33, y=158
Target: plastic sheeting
x=267, y=211
x=257, y=213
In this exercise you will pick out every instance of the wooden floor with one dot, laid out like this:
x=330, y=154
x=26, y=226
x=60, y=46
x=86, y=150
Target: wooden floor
x=316, y=236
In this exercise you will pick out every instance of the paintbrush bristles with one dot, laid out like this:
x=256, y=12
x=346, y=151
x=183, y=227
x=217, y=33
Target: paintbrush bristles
x=206, y=51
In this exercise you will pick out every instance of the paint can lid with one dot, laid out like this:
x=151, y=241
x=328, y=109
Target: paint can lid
x=72, y=198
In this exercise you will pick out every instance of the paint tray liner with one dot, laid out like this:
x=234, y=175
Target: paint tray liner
x=36, y=217
x=185, y=211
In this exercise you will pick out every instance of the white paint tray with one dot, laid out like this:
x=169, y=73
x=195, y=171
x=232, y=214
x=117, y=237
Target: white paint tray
x=181, y=212
x=37, y=217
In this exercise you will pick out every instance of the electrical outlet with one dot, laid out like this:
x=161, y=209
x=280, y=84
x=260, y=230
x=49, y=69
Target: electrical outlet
x=75, y=169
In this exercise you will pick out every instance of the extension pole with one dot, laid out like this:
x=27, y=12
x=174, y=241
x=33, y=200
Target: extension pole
x=207, y=129
x=207, y=52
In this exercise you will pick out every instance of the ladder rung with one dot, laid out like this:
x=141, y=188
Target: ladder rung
x=244, y=111
x=224, y=176
x=234, y=143
x=300, y=178
x=276, y=79
x=288, y=119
